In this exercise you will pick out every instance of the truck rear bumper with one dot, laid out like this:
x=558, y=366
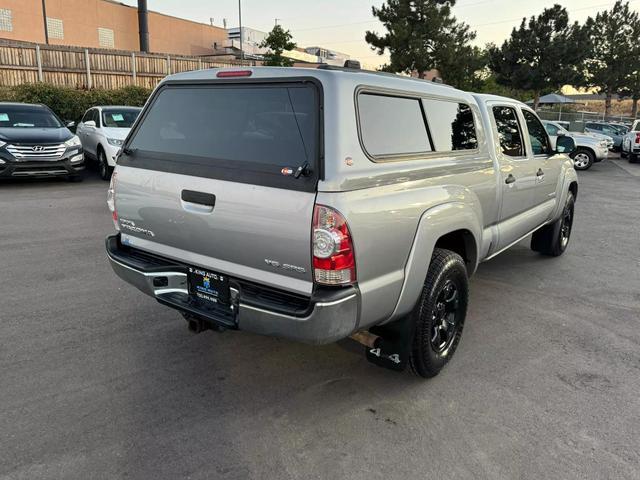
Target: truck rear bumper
x=327, y=316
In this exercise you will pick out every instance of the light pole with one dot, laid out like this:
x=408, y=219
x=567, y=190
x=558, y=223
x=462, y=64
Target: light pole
x=44, y=17
x=240, y=22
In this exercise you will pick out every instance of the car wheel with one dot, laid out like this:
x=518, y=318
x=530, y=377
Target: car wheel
x=553, y=239
x=583, y=159
x=439, y=315
x=103, y=166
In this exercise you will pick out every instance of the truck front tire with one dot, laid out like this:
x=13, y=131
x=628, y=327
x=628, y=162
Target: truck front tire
x=438, y=317
x=553, y=239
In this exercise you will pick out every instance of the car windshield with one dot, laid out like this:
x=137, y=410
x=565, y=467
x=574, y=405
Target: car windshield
x=27, y=117
x=119, y=118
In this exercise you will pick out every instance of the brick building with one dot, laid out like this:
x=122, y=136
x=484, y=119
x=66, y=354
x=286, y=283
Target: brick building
x=104, y=24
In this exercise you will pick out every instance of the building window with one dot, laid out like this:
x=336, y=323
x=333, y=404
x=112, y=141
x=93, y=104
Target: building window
x=105, y=37
x=55, y=29
x=6, y=20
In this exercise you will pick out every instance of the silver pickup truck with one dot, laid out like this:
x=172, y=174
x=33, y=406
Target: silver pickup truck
x=320, y=204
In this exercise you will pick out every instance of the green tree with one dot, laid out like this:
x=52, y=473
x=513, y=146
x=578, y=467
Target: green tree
x=467, y=69
x=421, y=35
x=632, y=87
x=542, y=55
x=613, y=35
x=278, y=41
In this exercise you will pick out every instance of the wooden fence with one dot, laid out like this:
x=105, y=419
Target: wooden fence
x=92, y=68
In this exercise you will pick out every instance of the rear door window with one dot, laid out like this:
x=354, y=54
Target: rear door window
x=234, y=132
x=392, y=126
x=509, y=132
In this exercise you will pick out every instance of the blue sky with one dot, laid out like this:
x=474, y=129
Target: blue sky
x=341, y=24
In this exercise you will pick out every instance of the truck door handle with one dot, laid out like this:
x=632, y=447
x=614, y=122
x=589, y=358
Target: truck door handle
x=540, y=173
x=200, y=198
x=510, y=179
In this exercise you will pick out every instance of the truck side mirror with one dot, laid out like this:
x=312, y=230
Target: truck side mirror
x=565, y=144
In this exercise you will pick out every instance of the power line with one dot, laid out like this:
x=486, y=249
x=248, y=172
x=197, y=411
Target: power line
x=336, y=25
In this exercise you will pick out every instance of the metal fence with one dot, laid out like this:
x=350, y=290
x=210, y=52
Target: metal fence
x=92, y=68
x=577, y=120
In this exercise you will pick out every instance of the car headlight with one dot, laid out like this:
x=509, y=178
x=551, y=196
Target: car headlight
x=73, y=142
x=603, y=143
x=115, y=142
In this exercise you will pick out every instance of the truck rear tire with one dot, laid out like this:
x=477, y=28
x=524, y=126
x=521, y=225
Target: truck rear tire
x=438, y=317
x=553, y=239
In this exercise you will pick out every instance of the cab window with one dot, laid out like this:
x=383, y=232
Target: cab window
x=508, y=131
x=537, y=134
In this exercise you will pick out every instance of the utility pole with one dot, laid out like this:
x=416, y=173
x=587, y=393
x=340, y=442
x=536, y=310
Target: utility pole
x=44, y=17
x=240, y=22
x=277, y=21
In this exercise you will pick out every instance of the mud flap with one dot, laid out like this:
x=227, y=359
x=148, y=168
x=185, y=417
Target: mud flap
x=393, y=347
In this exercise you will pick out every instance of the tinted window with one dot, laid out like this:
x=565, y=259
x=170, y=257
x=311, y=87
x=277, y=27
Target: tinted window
x=594, y=126
x=537, y=134
x=508, y=131
x=261, y=125
x=113, y=118
x=551, y=129
x=87, y=116
x=19, y=116
x=95, y=116
x=452, y=126
x=392, y=125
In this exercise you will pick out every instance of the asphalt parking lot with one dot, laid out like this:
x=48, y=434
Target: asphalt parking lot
x=99, y=381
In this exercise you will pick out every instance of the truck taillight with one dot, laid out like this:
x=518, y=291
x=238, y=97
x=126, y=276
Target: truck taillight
x=111, y=200
x=638, y=137
x=334, y=260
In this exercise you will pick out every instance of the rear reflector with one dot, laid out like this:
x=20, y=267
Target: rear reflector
x=333, y=257
x=234, y=73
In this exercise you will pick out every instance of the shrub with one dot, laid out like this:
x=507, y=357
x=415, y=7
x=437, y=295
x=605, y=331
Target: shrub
x=69, y=103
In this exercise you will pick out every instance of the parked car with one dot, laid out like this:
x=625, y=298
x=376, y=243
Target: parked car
x=631, y=143
x=321, y=204
x=591, y=147
x=34, y=142
x=102, y=132
x=606, y=129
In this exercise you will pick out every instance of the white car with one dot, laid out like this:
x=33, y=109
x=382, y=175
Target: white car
x=102, y=132
x=590, y=148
